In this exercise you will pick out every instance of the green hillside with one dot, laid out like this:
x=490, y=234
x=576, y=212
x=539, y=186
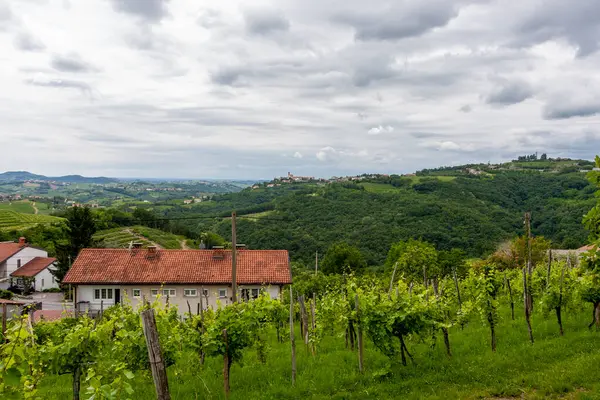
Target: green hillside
x=12, y=220
x=121, y=238
x=471, y=211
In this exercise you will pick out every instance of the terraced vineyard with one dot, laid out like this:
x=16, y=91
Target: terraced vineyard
x=13, y=220
x=122, y=237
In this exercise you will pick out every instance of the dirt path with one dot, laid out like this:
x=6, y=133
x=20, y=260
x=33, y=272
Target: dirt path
x=184, y=245
x=158, y=246
x=35, y=209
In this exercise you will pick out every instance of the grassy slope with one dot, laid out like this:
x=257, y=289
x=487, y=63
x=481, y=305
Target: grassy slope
x=14, y=220
x=23, y=206
x=121, y=237
x=554, y=367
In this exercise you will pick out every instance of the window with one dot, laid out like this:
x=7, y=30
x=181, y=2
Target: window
x=18, y=263
x=103, y=294
x=222, y=292
x=190, y=292
x=245, y=295
x=42, y=283
x=205, y=292
x=169, y=292
x=154, y=292
x=136, y=292
x=255, y=293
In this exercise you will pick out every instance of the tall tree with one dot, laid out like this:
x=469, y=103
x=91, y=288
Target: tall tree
x=340, y=258
x=418, y=260
x=80, y=229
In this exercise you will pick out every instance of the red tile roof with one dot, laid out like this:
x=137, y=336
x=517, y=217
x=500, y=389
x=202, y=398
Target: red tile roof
x=51, y=315
x=9, y=249
x=587, y=247
x=12, y=302
x=34, y=267
x=110, y=266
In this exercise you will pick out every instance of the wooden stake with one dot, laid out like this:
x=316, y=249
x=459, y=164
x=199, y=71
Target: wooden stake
x=526, y=305
x=314, y=321
x=392, y=280
x=4, y=317
x=292, y=339
x=560, y=297
x=157, y=364
x=510, y=294
x=303, y=320
x=361, y=348
x=226, y=365
x=549, y=268
x=457, y=288
x=233, y=258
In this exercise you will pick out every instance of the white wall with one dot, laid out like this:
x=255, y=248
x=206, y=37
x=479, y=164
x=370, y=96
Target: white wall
x=25, y=255
x=45, y=280
x=86, y=293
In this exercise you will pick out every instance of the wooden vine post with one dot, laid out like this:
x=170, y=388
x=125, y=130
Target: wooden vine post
x=303, y=320
x=526, y=299
x=226, y=365
x=313, y=322
x=157, y=364
x=512, y=302
x=361, y=349
x=292, y=339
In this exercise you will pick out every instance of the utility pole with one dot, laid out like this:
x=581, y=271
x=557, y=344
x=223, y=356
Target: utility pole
x=233, y=259
x=316, y=262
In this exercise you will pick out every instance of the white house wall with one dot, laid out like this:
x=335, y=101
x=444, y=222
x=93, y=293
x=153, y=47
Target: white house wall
x=85, y=293
x=45, y=280
x=12, y=264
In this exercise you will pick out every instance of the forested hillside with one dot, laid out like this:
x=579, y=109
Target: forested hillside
x=471, y=212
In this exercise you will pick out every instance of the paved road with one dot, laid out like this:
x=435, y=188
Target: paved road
x=51, y=301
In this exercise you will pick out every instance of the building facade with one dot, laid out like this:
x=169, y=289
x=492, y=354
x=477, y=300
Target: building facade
x=15, y=255
x=184, y=278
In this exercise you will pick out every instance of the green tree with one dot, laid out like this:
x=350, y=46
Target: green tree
x=80, y=229
x=341, y=258
x=592, y=218
x=416, y=259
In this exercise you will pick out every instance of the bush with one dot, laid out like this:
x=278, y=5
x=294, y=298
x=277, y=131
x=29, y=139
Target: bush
x=5, y=294
x=52, y=290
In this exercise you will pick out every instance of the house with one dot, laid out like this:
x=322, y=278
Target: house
x=104, y=277
x=35, y=275
x=15, y=255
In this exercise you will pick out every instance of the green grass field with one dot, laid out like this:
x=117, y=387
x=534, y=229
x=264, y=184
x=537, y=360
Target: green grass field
x=122, y=237
x=553, y=368
x=23, y=206
x=13, y=220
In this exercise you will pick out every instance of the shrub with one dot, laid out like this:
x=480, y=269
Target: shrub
x=5, y=294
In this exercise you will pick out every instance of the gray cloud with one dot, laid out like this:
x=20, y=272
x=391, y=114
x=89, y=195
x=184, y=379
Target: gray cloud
x=403, y=20
x=70, y=63
x=265, y=21
x=510, y=92
x=565, y=110
x=576, y=21
x=147, y=10
x=466, y=108
x=27, y=42
x=61, y=83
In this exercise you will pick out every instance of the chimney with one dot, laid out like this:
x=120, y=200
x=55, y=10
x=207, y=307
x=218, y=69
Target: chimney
x=22, y=241
x=152, y=250
x=218, y=253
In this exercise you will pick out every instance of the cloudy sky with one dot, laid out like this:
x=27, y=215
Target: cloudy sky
x=253, y=89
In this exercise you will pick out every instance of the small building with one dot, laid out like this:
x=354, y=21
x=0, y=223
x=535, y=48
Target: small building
x=14, y=255
x=35, y=276
x=185, y=278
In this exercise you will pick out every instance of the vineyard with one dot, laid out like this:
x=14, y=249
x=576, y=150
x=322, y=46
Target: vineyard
x=13, y=220
x=122, y=237
x=355, y=337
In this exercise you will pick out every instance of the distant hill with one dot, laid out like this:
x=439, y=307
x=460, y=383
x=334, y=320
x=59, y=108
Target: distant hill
x=11, y=220
x=25, y=176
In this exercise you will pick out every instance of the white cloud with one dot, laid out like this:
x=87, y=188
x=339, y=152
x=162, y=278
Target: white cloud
x=178, y=87
x=298, y=155
x=380, y=129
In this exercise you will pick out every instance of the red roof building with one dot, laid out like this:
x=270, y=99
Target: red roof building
x=33, y=267
x=186, y=278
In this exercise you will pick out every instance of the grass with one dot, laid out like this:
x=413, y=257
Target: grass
x=23, y=206
x=121, y=237
x=13, y=220
x=554, y=367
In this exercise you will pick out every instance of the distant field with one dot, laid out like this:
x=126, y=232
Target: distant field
x=122, y=237
x=23, y=206
x=379, y=187
x=13, y=220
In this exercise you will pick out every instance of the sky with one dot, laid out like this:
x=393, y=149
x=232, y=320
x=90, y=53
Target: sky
x=254, y=89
